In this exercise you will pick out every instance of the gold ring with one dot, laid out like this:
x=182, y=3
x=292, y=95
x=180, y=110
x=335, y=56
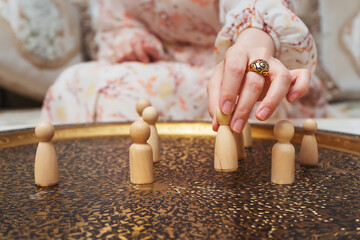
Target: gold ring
x=260, y=66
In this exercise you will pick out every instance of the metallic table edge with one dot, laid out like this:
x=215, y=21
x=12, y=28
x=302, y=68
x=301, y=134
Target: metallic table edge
x=343, y=142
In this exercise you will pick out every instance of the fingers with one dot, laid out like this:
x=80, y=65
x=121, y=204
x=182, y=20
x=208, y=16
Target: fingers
x=139, y=52
x=132, y=51
x=230, y=82
x=152, y=51
x=234, y=69
x=253, y=85
x=213, y=92
x=300, y=84
x=126, y=52
x=236, y=61
x=280, y=83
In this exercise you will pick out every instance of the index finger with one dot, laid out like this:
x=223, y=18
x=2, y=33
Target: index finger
x=214, y=92
x=234, y=70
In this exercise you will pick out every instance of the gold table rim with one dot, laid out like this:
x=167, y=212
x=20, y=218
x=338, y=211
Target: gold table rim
x=338, y=141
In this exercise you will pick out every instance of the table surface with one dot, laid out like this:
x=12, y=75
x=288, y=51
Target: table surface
x=188, y=199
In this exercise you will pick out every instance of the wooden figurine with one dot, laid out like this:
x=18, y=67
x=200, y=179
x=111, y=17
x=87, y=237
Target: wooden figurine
x=309, y=155
x=140, y=154
x=46, y=171
x=283, y=154
x=150, y=116
x=247, y=135
x=240, y=145
x=141, y=104
x=225, y=159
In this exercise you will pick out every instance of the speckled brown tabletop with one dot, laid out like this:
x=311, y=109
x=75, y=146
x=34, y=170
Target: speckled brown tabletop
x=188, y=200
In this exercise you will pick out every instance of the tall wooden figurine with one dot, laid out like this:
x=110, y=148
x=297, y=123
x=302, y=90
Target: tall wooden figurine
x=247, y=135
x=141, y=104
x=309, y=155
x=225, y=159
x=140, y=154
x=240, y=145
x=46, y=166
x=150, y=116
x=283, y=154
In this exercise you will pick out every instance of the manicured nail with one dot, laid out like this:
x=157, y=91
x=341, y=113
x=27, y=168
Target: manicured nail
x=227, y=108
x=238, y=126
x=293, y=96
x=264, y=113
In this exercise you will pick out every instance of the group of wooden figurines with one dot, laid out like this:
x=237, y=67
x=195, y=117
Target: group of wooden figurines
x=229, y=148
x=145, y=151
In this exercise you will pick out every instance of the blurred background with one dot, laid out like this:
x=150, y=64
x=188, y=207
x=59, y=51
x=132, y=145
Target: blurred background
x=39, y=39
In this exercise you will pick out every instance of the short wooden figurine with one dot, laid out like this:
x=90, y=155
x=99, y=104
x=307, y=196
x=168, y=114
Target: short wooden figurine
x=141, y=104
x=309, y=155
x=150, y=116
x=283, y=154
x=140, y=154
x=46, y=171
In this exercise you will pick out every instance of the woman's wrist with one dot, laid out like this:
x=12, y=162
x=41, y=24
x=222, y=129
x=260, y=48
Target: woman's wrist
x=256, y=38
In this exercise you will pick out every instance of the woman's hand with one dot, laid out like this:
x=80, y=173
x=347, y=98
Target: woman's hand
x=139, y=48
x=236, y=91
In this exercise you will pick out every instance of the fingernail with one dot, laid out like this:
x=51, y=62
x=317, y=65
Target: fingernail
x=263, y=114
x=214, y=122
x=227, y=108
x=238, y=126
x=293, y=96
